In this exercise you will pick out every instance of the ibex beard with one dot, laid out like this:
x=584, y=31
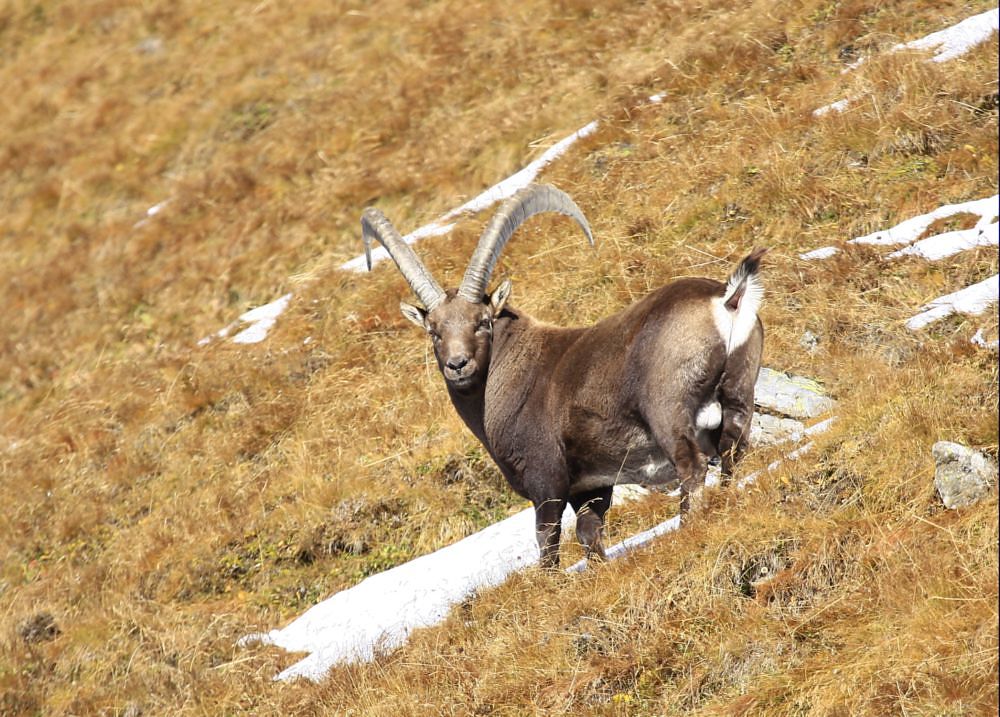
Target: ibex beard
x=648, y=395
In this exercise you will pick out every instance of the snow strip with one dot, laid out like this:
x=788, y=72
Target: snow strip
x=498, y=192
x=956, y=40
x=672, y=524
x=971, y=300
x=379, y=613
x=949, y=243
x=824, y=252
x=979, y=340
x=838, y=106
x=261, y=320
x=948, y=44
x=907, y=232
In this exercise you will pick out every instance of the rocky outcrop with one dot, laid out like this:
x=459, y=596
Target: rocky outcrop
x=962, y=476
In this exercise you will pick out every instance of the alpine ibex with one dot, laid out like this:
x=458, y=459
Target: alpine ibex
x=646, y=396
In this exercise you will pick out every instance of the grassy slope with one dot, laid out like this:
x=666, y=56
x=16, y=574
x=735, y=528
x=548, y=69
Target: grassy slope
x=161, y=498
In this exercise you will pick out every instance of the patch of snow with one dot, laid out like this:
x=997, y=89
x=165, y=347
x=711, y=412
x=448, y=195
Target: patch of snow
x=822, y=253
x=984, y=233
x=498, y=192
x=907, y=231
x=949, y=43
x=379, y=613
x=949, y=243
x=979, y=340
x=953, y=41
x=958, y=39
x=973, y=299
x=261, y=320
x=838, y=106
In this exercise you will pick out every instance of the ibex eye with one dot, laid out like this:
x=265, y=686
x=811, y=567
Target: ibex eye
x=484, y=325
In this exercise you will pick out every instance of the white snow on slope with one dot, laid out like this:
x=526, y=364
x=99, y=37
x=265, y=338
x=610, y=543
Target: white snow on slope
x=954, y=41
x=907, y=232
x=973, y=299
x=261, y=320
x=980, y=340
x=947, y=44
x=838, y=106
x=498, y=192
x=379, y=613
x=944, y=245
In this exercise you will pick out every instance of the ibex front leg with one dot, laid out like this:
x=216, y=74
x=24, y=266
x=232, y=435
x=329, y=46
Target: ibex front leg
x=548, y=525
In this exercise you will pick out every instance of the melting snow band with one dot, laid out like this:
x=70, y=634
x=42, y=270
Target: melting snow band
x=498, y=192
x=974, y=299
x=378, y=614
x=946, y=44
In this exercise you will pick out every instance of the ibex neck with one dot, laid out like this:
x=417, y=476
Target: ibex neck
x=471, y=405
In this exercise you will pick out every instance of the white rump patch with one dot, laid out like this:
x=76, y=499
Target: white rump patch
x=709, y=416
x=735, y=327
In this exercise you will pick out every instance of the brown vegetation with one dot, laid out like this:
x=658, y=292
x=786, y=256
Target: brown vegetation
x=159, y=498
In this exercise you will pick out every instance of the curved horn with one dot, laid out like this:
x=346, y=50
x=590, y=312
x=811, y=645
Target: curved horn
x=374, y=224
x=533, y=199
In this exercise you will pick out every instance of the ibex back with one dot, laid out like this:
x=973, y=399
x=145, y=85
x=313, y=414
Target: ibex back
x=646, y=396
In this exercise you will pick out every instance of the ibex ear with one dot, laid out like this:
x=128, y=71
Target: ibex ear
x=414, y=314
x=499, y=297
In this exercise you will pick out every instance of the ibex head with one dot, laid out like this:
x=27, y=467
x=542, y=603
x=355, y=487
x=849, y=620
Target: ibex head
x=460, y=322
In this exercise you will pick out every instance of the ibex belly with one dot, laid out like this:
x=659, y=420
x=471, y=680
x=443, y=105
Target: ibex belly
x=643, y=463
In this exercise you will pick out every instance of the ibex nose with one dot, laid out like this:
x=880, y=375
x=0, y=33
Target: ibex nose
x=455, y=363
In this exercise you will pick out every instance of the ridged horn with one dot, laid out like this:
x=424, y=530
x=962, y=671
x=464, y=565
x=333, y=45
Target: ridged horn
x=375, y=225
x=532, y=200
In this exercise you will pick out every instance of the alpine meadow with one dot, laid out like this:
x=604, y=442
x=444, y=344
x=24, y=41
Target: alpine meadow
x=211, y=420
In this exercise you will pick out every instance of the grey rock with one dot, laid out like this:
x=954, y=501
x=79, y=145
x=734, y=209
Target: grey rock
x=794, y=396
x=962, y=476
x=809, y=341
x=766, y=429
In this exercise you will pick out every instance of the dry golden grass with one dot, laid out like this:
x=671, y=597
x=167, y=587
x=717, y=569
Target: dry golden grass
x=160, y=499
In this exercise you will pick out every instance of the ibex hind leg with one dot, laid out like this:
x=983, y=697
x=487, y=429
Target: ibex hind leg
x=680, y=443
x=736, y=394
x=590, y=507
x=692, y=467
